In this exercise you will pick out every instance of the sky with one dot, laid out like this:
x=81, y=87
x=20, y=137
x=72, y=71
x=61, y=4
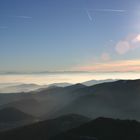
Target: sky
x=69, y=35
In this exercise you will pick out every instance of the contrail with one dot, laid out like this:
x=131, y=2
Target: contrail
x=22, y=17
x=109, y=10
x=89, y=15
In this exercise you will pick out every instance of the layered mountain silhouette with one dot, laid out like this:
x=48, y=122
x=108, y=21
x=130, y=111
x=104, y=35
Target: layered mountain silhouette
x=118, y=99
x=103, y=129
x=45, y=129
x=76, y=127
x=60, y=84
x=56, y=98
x=20, y=88
x=28, y=105
x=39, y=104
x=95, y=82
x=16, y=88
x=12, y=117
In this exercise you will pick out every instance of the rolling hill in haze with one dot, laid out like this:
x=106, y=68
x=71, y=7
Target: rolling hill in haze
x=119, y=99
x=13, y=115
x=103, y=129
x=12, y=118
x=53, y=108
x=60, y=84
x=28, y=105
x=76, y=127
x=17, y=88
x=95, y=82
x=20, y=88
x=45, y=101
x=45, y=129
x=55, y=98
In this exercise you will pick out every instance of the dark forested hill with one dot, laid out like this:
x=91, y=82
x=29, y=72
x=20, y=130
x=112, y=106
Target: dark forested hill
x=118, y=99
x=103, y=129
x=45, y=129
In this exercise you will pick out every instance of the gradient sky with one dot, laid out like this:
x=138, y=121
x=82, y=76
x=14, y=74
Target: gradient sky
x=69, y=35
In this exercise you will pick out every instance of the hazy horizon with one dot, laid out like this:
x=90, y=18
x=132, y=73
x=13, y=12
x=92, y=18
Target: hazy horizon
x=50, y=78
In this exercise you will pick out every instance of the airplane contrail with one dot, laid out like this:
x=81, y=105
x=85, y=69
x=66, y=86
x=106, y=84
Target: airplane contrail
x=89, y=15
x=109, y=10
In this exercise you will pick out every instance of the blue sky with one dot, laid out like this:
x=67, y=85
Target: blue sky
x=69, y=35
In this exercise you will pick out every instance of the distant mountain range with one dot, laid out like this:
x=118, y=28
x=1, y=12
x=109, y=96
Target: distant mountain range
x=118, y=99
x=17, y=88
x=20, y=87
x=76, y=127
x=111, y=99
x=95, y=82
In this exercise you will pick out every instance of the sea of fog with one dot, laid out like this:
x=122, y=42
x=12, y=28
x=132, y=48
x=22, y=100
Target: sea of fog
x=49, y=78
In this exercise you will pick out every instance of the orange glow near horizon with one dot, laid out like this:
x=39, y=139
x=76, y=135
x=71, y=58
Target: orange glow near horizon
x=114, y=66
